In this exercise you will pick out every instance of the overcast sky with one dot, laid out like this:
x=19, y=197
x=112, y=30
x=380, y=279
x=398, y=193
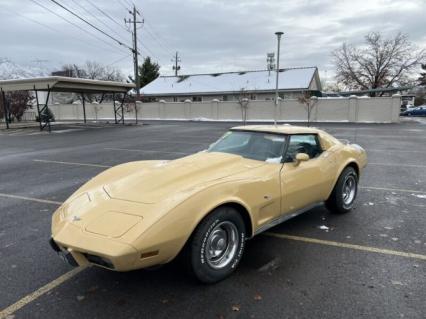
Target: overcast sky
x=210, y=35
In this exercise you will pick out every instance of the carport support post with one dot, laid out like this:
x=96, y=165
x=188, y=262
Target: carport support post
x=5, y=109
x=136, y=111
x=115, y=110
x=46, y=107
x=38, y=109
x=84, y=107
x=122, y=108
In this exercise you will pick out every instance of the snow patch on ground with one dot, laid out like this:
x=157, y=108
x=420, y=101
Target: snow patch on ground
x=323, y=227
x=419, y=195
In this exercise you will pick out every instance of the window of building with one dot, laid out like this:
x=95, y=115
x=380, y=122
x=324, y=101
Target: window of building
x=225, y=98
x=197, y=99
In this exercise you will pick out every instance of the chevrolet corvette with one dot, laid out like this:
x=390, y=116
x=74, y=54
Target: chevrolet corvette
x=203, y=207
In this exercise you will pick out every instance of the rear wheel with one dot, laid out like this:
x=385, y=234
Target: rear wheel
x=342, y=198
x=217, y=245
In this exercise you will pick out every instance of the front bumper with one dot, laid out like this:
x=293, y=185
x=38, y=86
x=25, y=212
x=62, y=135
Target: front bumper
x=82, y=249
x=63, y=254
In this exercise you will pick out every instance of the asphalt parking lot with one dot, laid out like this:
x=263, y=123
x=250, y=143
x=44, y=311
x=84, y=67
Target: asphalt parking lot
x=370, y=263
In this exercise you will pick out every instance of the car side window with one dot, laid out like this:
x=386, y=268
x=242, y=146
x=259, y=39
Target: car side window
x=306, y=143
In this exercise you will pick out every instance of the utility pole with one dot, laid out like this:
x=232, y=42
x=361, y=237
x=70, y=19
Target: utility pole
x=135, y=52
x=270, y=59
x=278, y=34
x=176, y=60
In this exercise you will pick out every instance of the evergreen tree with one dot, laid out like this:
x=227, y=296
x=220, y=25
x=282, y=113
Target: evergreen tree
x=148, y=72
x=422, y=78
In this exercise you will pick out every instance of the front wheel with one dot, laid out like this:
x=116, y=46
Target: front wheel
x=344, y=193
x=217, y=245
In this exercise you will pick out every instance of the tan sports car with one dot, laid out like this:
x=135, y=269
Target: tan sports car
x=206, y=205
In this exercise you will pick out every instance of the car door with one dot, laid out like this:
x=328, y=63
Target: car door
x=307, y=182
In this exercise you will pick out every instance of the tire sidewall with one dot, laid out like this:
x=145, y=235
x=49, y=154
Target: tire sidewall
x=202, y=270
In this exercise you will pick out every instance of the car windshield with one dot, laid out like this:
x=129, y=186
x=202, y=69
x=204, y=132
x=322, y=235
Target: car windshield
x=259, y=146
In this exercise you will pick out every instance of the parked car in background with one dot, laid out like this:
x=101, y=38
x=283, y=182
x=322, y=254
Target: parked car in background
x=405, y=107
x=417, y=111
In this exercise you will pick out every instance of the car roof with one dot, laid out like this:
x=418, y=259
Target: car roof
x=280, y=129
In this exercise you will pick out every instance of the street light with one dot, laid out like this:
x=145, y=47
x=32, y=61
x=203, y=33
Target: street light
x=278, y=34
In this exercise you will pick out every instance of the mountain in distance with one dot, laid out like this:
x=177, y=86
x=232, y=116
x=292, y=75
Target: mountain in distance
x=10, y=70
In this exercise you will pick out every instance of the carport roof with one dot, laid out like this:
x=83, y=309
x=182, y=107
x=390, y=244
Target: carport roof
x=65, y=84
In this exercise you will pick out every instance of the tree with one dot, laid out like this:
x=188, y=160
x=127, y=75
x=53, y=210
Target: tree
x=18, y=103
x=243, y=101
x=148, y=72
x=308, y=102
x=380, y=63
x=422, y=78
x=94, y=71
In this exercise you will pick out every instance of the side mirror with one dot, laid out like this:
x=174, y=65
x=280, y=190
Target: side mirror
x=301, y=157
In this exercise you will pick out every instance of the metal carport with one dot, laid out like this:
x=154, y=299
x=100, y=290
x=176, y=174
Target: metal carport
x=65, y=84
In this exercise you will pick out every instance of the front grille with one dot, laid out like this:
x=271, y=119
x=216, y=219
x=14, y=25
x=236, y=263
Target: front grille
x=99, y=261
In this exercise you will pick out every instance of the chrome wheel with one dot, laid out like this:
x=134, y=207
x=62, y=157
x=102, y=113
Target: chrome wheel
x=222, y=245
x=349, y=190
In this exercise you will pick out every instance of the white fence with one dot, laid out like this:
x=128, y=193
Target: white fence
x=352, y=109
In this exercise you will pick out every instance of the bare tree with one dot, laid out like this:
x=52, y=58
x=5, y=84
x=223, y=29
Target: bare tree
x=243, y=101
x=308, y=102
x=18, y=103
x=94, y=71
x=380, y=63
x=73, y=71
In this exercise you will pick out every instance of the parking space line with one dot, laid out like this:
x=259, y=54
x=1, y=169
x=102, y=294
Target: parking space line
x=349, y=246
x=398, y=164
x=174, y=142
x=71, y=163
x=393, y=189
x=390, y=151
x=355, y=135
x=5, y=313
x=44, y=201
x=142, y=151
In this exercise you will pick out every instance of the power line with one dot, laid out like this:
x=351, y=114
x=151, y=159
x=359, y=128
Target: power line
x=129, y=3
x=120, y=59
x=123, y=5
x=160, y=44
x=55, y=30
x=95, y=17
x=90, y=24
x=74, y=24
x=107, y=15
x=158, y=37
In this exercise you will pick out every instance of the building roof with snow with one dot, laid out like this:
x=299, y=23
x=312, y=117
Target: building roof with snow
x=292, y=79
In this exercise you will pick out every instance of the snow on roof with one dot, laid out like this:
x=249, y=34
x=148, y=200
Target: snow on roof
x=289, y=79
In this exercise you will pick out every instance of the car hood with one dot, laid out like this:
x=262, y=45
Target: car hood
x=163, y=180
